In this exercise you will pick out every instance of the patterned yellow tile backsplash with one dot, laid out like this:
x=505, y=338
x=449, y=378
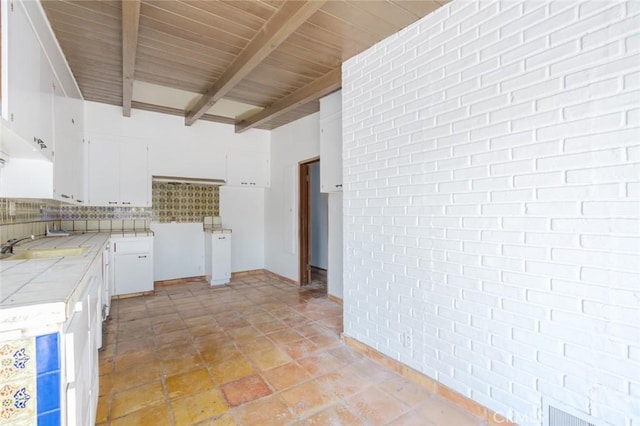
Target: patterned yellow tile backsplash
x=184, y=202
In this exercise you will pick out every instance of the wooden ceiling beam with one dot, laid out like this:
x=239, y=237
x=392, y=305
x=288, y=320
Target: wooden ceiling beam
x=314, y=90
x=281, y=25
x=130, y=22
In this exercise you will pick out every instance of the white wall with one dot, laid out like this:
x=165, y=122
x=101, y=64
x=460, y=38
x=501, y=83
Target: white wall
x=318, y=212
x=196, y=151
x=242, y=210
x=290, y=144
x=491, y=168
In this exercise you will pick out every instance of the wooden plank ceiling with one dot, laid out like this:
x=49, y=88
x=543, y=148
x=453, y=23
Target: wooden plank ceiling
x=278, y=55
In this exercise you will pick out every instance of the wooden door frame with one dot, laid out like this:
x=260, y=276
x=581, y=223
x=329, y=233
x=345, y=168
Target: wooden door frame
x=304, y=219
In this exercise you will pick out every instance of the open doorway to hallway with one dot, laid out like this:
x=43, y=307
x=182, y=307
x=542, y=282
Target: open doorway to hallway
x=313, y=225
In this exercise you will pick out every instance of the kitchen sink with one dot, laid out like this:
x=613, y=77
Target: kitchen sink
x=49, y=252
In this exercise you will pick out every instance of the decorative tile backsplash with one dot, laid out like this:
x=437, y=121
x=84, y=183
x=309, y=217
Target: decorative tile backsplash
x=184, y=202
x=21, y=210
x=102, y=213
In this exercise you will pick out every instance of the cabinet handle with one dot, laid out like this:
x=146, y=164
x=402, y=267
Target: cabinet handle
x=222, y=238
x=339, y=186
x=115, y=245
x=65, y=196
x=142, y=257
x=126, y=202
x=80, y=201
x=113, y=202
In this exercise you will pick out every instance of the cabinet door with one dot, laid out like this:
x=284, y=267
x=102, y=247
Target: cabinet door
x=220, y=258
x=331, y=154
x=65, y=155
x=249, y=169
x=104, y=183
x=135, y=188
x=133, y=273
x=44, y=132
x=23, y=73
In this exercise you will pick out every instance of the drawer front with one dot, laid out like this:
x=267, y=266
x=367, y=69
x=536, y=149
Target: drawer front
x=122, y=246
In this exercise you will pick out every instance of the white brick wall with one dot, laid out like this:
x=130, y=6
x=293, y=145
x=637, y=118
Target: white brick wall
x=492, y=203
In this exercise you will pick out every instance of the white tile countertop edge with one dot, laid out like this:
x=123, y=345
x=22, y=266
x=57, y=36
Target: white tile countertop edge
x=38, y=292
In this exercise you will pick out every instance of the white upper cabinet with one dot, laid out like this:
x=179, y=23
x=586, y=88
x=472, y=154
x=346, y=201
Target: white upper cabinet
x=331, y=142
x=43, y=125
x=249, y=169
x=119, y=173
x=27, y=102
x=68, y=164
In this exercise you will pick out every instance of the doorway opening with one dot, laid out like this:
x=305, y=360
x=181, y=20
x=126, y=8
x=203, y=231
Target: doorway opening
x=313, y=225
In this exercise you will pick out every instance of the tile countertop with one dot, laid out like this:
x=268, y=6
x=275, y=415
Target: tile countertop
x=36, y=292
x=215, y=230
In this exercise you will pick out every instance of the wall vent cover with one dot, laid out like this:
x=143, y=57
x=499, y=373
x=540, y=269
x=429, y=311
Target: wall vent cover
x=558, y=414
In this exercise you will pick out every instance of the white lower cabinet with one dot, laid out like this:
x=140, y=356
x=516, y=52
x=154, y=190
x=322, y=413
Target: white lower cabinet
x=217, y=257
x=132, y=262
x=82, y=338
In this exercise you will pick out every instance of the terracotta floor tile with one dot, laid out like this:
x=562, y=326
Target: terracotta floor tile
x=269, y=411
x=195, y=408
x=326, y=340
x=134, y=324
x=286, y=375
x=336, y=415
x=377, y=407
x=134, y=345
x=284, y=336
x=157, y=415
x=270, y=327
x=414, y=418
x=102, y=412
x=135, y=376
x=269, y=358
x=104, y=384
x=321, y=363
x=307, y=397
x=443, y=413
x=107, y=351
x=245, y=390
x=193, y=313
x=129, y=360
x=200, y=320
x=168, y=358
x=163, y=315
x=171, y=352
x=233, y=369
x=133, y=334
x=259, y=318
x=248, y=332
x=167, y=327
x=299, y=348
x=256, y=344
x=344, y=383
x=212, y=340
x=204, y=330
x=135, y=399
x=186, y=363
x=405, y=390
x=178, y=337
x=224, y=420
x=187, y=383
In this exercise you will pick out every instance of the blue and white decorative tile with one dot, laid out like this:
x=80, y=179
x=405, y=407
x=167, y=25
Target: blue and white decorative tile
x=17, y=360
x=17, y=403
